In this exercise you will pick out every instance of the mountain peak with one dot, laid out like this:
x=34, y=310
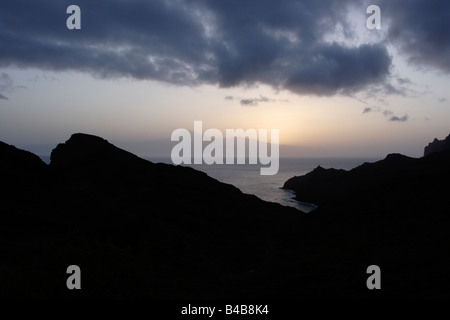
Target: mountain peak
x=86, y=139
x=82, y=149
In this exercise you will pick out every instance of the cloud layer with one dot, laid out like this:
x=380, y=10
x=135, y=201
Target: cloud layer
x=421, y=30
x=252, y=101
x=389, y=114
x=224, y=43
x=399, y=119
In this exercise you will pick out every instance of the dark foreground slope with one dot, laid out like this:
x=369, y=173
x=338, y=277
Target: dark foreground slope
x=397, y=210
x=144, y=230
x=136, y=229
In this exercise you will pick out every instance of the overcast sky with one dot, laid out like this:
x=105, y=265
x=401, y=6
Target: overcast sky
x=137, y=70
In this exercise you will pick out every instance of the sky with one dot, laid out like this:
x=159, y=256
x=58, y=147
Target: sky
x=138, y=70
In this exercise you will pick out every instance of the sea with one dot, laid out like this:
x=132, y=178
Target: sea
x=248, y=179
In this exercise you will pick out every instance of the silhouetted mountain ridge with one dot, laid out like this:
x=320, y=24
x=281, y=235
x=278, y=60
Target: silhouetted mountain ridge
x=395, y=208
x=138, y=229
x=437, y=146
x=20, y=166
x=395, y=177
x=185, y=223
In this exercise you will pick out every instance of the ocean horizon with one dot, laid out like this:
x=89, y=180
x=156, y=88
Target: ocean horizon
x=247, y=177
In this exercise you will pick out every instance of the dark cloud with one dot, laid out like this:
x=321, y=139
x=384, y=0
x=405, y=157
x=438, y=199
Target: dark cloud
x=442, y=100
x=255, y=101
x=387, y=113
x=394, y=118
x=248, y=102
x=225, y=43
x=421, y=30
x=2, y=97
x=399, y=119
